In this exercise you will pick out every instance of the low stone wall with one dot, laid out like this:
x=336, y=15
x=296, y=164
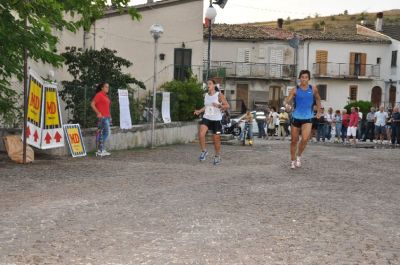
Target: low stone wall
x=138, y=136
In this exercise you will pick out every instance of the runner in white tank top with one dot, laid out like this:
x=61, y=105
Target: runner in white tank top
x=214, y=104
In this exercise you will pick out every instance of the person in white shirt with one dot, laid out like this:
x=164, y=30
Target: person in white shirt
x=329, y=116
x=380, y=123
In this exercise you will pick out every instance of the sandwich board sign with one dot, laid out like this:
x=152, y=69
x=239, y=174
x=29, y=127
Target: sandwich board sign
x=75, y=140
x=52, y=132
x=35, y=111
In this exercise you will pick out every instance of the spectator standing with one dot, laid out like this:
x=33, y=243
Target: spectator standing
x=370, y=125
x=261, y=120
x=338, y=124
x=389, y=125
x=396, y=126
x=329, y=116
x=345, y=124
x=283, y=123
x=321, y=126
x=380, y=124
x=352, y=129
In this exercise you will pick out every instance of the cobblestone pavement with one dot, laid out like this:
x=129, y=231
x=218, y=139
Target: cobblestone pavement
x=163, y=207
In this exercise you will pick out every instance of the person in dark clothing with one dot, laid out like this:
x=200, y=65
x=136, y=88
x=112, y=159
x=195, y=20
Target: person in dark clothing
x=369, y=133
x=396, y=126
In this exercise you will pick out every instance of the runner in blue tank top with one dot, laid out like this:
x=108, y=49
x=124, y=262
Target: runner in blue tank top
x=303, y=97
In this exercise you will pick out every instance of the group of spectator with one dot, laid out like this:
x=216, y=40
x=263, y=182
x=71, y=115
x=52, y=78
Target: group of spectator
x=379, y=126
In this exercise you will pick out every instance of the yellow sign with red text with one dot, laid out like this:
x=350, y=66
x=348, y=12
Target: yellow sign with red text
x=75, y=140
x=35, y=101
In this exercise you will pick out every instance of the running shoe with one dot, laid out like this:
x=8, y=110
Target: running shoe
x=203, y=155
x=217, y=160
x=298, y=162
x=293, y=165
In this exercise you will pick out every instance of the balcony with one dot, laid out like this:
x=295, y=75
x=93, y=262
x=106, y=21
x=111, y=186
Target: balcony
x=346, y=71
x=227, y=69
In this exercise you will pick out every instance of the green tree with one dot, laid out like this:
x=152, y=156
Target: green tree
x=89, y=68
x=186, y=96
x=364, y=106
x=30, y=24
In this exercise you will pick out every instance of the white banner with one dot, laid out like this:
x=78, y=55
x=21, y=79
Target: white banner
x=166, y=107
x=125, y=121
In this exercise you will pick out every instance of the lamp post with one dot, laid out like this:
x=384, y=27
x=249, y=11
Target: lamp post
x=156, y=31
x=211, y=13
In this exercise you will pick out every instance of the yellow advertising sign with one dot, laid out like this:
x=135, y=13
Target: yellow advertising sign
x=35, y=101
x=51, y=111
x=75, y=140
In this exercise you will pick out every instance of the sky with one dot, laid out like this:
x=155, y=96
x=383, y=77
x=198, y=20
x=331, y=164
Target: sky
x=244, y=11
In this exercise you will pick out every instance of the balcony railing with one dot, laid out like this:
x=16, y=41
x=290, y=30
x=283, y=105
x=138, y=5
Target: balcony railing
x=346, y=70
x=251, y=70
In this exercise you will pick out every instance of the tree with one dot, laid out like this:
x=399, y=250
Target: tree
x=29, y=24
x=364, y=106
x=346, y=12
x=186, y=97
x=89, y=68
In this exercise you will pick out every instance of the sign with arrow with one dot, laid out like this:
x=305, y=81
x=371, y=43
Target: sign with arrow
x=53, y=135
x=35, y=110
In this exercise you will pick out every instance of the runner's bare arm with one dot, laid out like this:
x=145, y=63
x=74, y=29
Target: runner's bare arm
x=289, y=99
x=318, y=101
x=224, y=103
x=198, y=112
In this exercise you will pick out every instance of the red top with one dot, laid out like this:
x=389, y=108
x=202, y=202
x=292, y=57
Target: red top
x=102, y=103
x=345, y=120
x=354, y=119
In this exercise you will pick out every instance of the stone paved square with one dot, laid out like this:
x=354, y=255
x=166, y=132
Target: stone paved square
x=164, y=207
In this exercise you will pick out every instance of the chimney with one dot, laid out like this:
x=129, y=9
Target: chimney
x=280, y=23
x=379, y=21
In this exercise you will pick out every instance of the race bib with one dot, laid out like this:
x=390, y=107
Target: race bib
x=212, y=111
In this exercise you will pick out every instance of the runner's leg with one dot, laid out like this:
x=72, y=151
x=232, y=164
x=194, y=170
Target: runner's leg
x=294, y=140
x=305, y=136
x=202, y=136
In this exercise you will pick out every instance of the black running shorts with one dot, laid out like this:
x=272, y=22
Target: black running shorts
x=214, y=126
x=298, y=123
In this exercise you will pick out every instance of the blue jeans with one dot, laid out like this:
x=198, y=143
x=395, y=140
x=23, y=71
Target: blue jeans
x=103, y=131
x=328, y=129
x=338, y=129
x=344, y=132
x=395, y=133
x=249, y=132
x=321, y=131
x=261, y=129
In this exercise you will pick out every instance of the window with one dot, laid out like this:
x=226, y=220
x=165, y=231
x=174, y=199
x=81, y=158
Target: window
x=244, y=55
x=182, y=64
x=322, y=91
x=321, y=62
x=353, y=93
x=358, y=63
x=394, y=59
x=378, y=60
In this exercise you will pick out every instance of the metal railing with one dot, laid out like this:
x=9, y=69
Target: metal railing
x=346, y=70
x=252, y=70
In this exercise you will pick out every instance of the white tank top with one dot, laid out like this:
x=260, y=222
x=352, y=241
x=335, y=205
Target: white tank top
x=212, y=113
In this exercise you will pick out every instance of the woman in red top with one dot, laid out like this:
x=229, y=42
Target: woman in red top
x=101, y=105
x=345, y=124
x=352, y=129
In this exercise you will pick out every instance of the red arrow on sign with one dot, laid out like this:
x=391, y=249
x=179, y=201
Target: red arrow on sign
x=28, y=131
x=35, y=136
x=47, y=138
x=58, y=137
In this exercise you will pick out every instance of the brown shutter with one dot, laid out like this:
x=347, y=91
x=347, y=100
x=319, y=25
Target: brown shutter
x=321, y=60
x=363, y=64
x=352, y=63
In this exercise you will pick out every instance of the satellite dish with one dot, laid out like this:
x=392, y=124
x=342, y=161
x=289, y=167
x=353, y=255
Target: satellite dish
x=294, y=42
x=221, y=3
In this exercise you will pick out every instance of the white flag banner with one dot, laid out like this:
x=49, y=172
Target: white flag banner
x=166, y=107
x=125, y=121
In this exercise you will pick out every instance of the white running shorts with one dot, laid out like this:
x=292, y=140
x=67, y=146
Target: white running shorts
x=352, y=131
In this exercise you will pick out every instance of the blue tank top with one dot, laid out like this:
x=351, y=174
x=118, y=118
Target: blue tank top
x=303, y=103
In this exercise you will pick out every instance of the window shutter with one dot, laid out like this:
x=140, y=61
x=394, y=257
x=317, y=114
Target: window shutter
x=352, y=63
x=363, y=64
x=322, y=60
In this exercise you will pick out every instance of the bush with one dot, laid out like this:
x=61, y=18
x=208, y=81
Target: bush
x=185, y=98
x=364, y=106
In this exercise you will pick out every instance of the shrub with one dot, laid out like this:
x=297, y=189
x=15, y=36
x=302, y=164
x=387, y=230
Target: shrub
x=186, y=96
x=364, y=106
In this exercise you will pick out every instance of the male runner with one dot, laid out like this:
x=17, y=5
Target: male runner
x=214, y=104
x=304, y=96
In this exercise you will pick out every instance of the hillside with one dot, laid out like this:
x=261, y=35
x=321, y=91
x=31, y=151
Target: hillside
x=335, y=22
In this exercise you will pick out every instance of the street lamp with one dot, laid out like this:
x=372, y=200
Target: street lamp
x=211, y=13
x=156, y=31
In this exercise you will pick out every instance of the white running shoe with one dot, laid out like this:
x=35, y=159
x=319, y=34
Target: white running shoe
x=293, y=165
x=298, y=162
x=102, y=153
x=105, y=153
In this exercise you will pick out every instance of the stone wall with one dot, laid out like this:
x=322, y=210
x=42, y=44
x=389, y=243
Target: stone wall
x=138, y=136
